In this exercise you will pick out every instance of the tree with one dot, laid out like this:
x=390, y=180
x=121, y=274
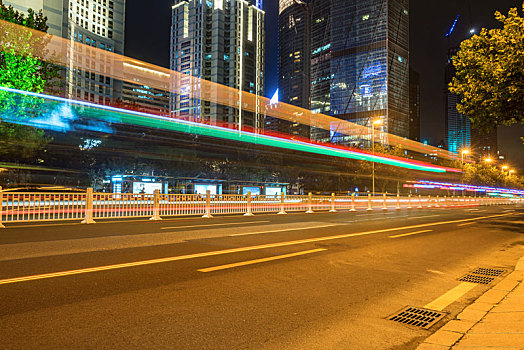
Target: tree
x=490, y=74
x=20, y=69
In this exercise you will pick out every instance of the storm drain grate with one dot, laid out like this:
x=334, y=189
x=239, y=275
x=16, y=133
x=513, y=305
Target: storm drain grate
x=417, y=316
x=476, y=279
x=487, y=271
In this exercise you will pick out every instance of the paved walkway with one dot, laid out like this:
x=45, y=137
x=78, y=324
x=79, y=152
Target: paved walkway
x=493, y=321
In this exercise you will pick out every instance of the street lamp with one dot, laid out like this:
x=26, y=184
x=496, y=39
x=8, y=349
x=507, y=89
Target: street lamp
x=488, y=159
x=375, y=122
x=464, y=152
x=511, y=172
x=504, y=167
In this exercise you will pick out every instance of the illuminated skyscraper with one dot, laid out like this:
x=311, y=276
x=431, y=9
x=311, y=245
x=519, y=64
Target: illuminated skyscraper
x=222, y=41
x=294, y=47
x=370, y=64
x=97, y=23
x=458, y=126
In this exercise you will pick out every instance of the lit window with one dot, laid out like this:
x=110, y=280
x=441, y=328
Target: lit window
x=365, y=17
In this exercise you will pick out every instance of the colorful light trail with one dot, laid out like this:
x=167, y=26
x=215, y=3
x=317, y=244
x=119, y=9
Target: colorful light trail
x=57, y=110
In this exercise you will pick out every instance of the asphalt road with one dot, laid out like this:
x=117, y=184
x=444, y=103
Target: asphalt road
x=296, y=281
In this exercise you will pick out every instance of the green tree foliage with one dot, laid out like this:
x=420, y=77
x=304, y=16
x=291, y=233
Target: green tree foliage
x=490, y=74
x=19, y=69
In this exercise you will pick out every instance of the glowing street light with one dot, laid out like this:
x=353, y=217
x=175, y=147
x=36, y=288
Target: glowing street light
x=511, y=171
x=488, y=159
x=504, y=167
x=374, y=122
x=464, y=152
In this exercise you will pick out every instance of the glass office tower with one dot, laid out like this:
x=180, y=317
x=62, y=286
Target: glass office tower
x=370, y=65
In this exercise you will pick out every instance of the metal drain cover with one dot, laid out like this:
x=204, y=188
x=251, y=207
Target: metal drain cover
x=476, y=279
x=417, y=316
x=487, y=271
x=482, y=275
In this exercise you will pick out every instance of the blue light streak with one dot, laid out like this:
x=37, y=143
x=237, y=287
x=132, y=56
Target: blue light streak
x=452, y=26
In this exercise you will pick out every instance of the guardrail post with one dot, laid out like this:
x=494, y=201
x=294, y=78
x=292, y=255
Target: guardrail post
x=282, y=202
x=409, y=201
x=333, y=210
x=429, y=201
x=438, y=204
x=419, y=202
x=398, y=201
x=208, y=215
x=88, y=216
x=156, y=206
x=352, y=202
x=309, y=203
x=385, y=207
x=249, y=213
x=369, y=202
x=1, y=207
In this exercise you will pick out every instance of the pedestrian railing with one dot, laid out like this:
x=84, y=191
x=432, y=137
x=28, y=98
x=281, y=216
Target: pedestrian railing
x=89, y=206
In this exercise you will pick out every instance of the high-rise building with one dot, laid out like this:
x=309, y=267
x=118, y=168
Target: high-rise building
x=222, y=41
x=414, y=105
x=458, y=126
x=370, y=64
x=359, y=67
x=97, y=23
x=294, y=47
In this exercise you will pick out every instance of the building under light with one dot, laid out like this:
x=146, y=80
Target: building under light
x=222, y=41
x=98, y=24
x=294, y=47
x=458, y=126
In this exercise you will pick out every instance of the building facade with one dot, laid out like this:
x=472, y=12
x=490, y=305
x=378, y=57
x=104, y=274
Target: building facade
x=359, y=64
x=144, y=98
x=97, y=23
x=458, y=126
x=370, y=64
x=222, y=41
x=414, y=105
x=294, y=47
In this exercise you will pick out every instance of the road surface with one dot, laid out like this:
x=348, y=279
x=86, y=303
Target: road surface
x=296, y=281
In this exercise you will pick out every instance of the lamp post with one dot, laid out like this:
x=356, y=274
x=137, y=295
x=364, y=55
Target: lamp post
x=375, y=122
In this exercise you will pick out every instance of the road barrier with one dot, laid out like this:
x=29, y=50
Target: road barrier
x=89, y=206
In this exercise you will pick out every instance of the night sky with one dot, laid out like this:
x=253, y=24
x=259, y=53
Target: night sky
x=147, y=39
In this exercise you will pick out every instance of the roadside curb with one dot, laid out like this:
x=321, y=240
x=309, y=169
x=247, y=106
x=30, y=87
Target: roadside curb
x=451, y=335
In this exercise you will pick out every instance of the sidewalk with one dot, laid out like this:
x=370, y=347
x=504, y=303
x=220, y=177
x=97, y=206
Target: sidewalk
x=493, y=321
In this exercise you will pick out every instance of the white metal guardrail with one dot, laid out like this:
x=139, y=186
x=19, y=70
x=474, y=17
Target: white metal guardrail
x=89, y=206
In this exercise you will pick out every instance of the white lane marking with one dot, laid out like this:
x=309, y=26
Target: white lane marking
x=450, y=296
x=436, y=271
x=225, y=224
x=282, y=230
x=409, y=233
x=257, y=261
x=423, y=216
x=467, y=223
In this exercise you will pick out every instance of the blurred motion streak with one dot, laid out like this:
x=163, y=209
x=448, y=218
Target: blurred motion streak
x=68, y=53
x=98, y=116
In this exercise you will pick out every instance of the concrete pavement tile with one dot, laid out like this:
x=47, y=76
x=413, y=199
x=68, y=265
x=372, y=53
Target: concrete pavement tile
x=504, y=317
x=471, y=314
x=506, y=284
x=509, y=306
x=481, y=306
x=427, y=346
x=446, y=338
x=516, y=276
x=498, y=327
x=460, y=326
x=492, y=296
x=488, y=340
